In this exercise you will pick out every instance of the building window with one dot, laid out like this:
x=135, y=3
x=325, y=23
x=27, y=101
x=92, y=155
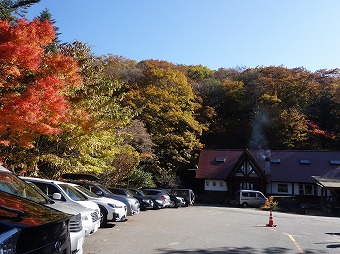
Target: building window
x=282, y=187
x=246, y=186
x=221, y=184
x=206, y=183
x=306, y=189
x=214, y=183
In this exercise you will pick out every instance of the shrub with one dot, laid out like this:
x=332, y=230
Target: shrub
x=270, y=204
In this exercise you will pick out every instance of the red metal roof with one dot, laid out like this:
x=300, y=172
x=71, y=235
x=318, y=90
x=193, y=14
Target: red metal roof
x=286, y=169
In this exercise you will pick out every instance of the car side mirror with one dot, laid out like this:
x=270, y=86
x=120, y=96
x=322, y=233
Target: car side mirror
x=100, y=193
x=56, y=196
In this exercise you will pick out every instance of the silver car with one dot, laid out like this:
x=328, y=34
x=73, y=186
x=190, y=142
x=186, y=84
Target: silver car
x=132, y=204
x=89, y=182
x=159, y=193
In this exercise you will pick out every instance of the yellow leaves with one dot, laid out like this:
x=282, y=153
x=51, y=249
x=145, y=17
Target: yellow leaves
x=269, y=99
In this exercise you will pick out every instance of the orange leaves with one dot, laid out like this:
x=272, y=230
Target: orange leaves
x=37, y=111
x=22, y=44
x=32, y=101
x=64, y=67
x=38, y=33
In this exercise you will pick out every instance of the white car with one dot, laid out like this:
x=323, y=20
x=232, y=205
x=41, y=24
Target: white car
x=61, y=191
x=110, y=209
x=77, y=238
x=12, y=184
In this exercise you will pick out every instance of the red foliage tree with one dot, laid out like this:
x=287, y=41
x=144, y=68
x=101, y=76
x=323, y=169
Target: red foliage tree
x=32, y=82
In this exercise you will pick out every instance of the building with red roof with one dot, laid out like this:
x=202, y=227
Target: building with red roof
x=309, y=175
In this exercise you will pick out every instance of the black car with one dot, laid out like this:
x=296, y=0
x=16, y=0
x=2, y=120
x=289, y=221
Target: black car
x=158, y=202
x=28, y=227
x=145, y=202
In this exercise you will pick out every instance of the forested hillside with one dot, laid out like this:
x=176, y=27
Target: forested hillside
x=64, y=109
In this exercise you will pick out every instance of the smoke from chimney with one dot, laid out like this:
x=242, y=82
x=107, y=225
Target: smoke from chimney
x=258, y=139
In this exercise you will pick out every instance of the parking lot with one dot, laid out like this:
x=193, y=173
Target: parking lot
x=211, y=229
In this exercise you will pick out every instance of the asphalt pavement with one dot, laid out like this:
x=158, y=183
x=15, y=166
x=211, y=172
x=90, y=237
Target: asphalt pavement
x=217, y=230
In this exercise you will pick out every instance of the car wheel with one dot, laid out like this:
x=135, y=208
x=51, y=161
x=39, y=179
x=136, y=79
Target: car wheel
x=103, y=217
x=244, y=204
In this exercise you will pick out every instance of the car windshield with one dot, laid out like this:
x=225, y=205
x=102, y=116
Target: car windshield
x=131, y=193
x=73, y=193
x=136, y=192
x=181, y=193
x=86, y=191
x=12, y=184
x=105, y=189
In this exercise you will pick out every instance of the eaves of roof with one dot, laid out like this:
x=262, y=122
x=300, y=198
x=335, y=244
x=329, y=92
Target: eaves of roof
x=288, y=167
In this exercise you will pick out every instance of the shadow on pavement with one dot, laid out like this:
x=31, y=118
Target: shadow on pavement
x=241, y=250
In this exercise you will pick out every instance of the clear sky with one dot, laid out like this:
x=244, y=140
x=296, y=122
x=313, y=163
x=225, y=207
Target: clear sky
x=213, y=33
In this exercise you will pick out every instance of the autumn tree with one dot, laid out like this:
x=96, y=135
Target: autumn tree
x=167, y=105
x=32, y=83
x=199, y=72
x=92, y=141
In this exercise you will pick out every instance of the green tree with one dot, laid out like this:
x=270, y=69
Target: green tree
x=167, y=106
x=199, y=72
x=290, y=129
x=9, y=9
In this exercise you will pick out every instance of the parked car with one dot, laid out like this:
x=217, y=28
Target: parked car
x=247, y=198
x=61, y=191
x=110, y=209
x=89, y=182
x=77, y=232
x=176, y=201
x=187, y=194
x=8, y=238
x=158, y=193
x=32, y=225
x=158, y=202
x=12, y=184
x=144, y=201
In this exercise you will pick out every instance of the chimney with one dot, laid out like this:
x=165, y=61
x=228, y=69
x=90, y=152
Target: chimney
x=267, y=166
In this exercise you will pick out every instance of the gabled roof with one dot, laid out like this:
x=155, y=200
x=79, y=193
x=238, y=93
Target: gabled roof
x=246, y=155
x=285, y=166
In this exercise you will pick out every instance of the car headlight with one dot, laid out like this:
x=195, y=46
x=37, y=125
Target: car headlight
x=131, y=202
x=85, y=217
x=115, y=206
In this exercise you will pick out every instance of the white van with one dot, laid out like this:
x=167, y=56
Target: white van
x=247, y=198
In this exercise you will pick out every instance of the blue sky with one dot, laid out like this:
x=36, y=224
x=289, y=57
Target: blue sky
x=213, y=33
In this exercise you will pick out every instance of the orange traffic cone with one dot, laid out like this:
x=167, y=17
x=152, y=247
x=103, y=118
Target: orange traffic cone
x=271, y=220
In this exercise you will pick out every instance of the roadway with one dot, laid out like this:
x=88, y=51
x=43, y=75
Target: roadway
x=216, y=230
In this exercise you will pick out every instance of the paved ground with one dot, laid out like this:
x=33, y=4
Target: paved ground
x=217, y=230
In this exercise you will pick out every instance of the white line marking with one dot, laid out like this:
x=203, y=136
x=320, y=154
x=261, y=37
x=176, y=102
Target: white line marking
x=295, y=242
